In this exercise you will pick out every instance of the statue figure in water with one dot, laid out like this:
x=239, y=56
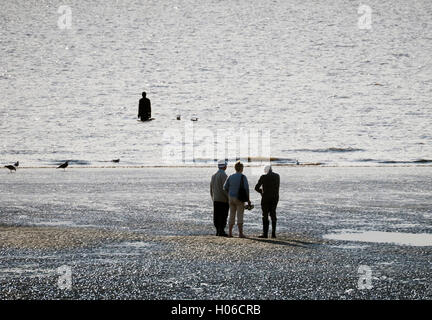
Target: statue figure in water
x=144, y=108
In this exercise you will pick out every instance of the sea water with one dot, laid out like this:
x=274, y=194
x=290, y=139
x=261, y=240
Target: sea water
x=332, y=81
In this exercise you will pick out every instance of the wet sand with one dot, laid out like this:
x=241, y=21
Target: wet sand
x=147, y=234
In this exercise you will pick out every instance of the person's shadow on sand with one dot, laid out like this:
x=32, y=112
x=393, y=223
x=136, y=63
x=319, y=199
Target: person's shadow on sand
x=287, y=242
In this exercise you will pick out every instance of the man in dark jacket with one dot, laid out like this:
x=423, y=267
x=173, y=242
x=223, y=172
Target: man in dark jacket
x=220, y=199
x=268, y=186
x=144, y=109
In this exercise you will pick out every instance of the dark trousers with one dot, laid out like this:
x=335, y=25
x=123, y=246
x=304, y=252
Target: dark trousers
x=220, y=215
x=269, y=208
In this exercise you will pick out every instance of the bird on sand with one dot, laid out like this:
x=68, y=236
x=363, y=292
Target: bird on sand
x=11, y=168
x=64, y=165
x=16, y=164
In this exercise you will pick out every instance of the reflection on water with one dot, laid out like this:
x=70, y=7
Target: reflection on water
x=330, y=92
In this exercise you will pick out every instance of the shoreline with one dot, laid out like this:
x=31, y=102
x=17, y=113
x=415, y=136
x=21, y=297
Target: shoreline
x=321, y=165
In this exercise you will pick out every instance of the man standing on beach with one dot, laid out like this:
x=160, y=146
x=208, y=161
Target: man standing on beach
x=144, y=108
x=237, y=187
x=220, y=199
x=268, y=186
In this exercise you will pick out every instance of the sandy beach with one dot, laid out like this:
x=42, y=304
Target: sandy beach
x=147, y=234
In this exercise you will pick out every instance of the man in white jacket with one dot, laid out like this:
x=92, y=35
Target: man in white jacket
x=220, y=199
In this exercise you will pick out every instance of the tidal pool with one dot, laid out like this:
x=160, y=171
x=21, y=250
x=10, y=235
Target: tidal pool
x=399, y=238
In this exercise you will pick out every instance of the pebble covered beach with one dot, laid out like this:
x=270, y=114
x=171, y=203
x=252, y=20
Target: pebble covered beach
x=124, y=234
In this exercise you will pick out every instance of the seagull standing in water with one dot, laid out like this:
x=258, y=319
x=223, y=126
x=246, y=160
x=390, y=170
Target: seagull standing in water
x=63, y=166
x=11, y=168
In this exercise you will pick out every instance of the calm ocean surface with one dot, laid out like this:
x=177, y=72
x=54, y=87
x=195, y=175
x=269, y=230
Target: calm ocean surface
x=328, y=90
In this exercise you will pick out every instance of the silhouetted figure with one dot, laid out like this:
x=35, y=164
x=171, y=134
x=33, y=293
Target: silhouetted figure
x=144, y=108
x=268, y=186
x=11, y=168
x=16, y=164
x=116, y=160
x=63, y=166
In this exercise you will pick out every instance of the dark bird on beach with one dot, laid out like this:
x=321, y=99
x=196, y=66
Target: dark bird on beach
x=63, y=166
x=11, y=168
x=116, y=160
x=16, y=164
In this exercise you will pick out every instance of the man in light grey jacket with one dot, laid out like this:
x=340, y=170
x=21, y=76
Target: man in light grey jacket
x=220, y=199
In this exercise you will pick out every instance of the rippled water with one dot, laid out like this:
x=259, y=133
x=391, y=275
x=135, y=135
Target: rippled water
x=329, y=91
